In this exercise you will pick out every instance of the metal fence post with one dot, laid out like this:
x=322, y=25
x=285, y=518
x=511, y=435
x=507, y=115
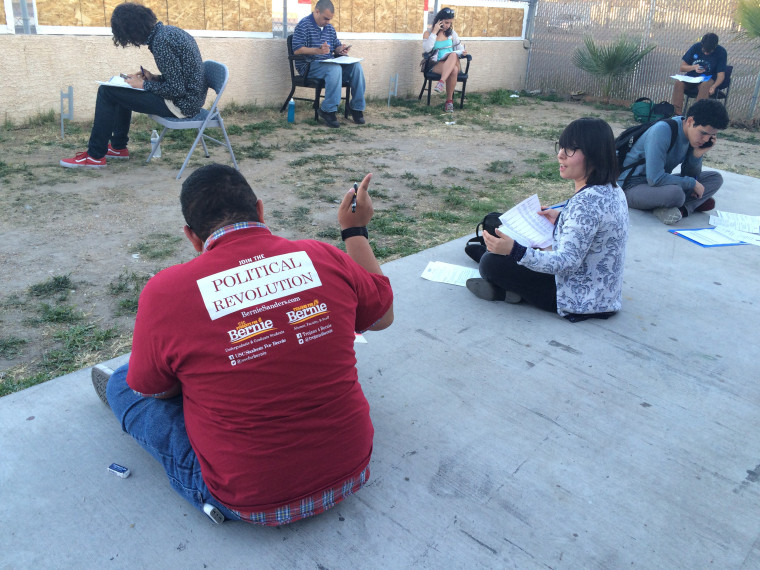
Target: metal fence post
x=70, y=115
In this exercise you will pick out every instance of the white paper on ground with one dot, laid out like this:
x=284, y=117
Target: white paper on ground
x=741, y=222
x=449, y=273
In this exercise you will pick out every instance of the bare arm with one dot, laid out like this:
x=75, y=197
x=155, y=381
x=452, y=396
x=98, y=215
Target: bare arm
x=358, y=247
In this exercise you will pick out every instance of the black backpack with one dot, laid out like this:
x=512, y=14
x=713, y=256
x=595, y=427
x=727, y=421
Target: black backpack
x=625, y=141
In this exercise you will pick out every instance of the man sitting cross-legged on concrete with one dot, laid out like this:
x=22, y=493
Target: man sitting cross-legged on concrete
x=242, y=379
x=651, y=186
x=315, y=37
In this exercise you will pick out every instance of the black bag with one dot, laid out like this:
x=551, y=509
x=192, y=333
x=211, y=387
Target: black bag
x=662, y=110
x=426, y=57
x=625, y=141
x=489, y=224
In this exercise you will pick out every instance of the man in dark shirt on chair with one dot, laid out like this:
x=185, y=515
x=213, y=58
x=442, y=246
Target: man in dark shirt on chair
x=315, y=37
x=703, y=58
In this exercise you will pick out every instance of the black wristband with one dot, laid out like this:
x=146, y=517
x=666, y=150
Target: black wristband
x=351, y=232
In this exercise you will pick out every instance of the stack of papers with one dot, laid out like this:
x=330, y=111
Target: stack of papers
x=690, y=79
x=523, y=224
x=730, y=229
x=118, y=81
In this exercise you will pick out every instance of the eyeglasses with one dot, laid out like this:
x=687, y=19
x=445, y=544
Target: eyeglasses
x=568, y=151
x=447, y=13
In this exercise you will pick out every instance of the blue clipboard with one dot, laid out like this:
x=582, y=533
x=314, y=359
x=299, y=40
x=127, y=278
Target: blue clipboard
x=684, y=234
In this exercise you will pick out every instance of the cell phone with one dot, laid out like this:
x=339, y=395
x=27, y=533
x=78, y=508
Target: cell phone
x=708, y=144
x=119, y=470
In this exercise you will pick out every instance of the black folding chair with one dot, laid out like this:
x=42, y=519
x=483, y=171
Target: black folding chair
x=721, y=93
x=430, y=76
x=303, y=80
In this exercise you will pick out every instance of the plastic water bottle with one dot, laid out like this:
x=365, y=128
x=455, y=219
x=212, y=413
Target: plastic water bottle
x=154, y=144
x=291, y=111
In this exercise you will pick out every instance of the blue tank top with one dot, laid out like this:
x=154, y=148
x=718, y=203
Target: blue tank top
x=443, y=47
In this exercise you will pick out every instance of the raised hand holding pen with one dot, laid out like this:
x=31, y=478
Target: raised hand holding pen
x=348, y=217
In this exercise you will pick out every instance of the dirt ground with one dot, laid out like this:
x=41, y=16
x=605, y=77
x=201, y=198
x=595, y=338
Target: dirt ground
x=78, y=245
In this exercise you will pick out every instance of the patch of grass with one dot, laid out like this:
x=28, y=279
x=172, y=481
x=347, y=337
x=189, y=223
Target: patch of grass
x=254, y=150
x=443, y=216
x=300, y=211
x=128, y=286
x=298, y=146
x=41, y=119
x=157, y=246
x=234, y=130
x=233, y=108
x=77, y=341
x=10, y=346
x=59, y=285
x=319, y=158
x=500, y=166
x=331, y=233
x=59, y=314
x=393, y=223
x=263, y=127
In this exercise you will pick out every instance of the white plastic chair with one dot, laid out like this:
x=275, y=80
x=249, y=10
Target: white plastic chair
x=217, y=76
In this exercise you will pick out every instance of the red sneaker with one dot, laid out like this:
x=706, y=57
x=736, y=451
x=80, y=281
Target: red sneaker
x=706, y=206
x=117, y=153
x=83, y=160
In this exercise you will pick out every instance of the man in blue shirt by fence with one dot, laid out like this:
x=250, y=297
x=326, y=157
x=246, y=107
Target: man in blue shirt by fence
x=315, y=37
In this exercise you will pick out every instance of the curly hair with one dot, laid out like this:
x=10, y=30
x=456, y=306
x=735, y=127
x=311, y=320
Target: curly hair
x=131, y=24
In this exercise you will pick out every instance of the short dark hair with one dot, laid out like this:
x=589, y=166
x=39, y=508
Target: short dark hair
x=709, y=112
x=709, y=42
x=214, y=196
x=131, y=24
x=323, y=5
x=595, y=139
x=444, y=14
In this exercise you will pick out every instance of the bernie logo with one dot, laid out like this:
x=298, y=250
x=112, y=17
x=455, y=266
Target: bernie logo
x=306, y=312
x=246, y=330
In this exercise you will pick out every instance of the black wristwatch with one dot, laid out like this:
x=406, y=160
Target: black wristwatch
x=351, y=232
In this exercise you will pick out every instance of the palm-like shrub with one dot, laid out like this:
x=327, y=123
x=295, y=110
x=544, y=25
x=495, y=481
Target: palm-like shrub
x=610, y=62
x=748, y=16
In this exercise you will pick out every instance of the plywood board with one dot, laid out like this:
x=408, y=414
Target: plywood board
x=108, y=7
x=93, y=14
x=340, y=21
x=160, y=9
x=495, y=22
x=255, y=16
x=363, y=16
x=401, y=18
x=186, y=14
x=58, y=13
x=478, y=16
x=414, y=11
x=385, y=15
x=231, y=15
x=213, y=15
x=513, y=23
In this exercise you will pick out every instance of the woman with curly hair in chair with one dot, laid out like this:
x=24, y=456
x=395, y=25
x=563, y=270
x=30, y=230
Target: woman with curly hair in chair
x=442, y=50
x=179, y=91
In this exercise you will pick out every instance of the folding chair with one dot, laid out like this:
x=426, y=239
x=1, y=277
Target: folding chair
x=217, y=76
x=303, y=80
x=721, y=93
x=430, y=76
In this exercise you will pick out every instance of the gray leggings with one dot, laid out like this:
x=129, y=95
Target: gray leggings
x=645, y=197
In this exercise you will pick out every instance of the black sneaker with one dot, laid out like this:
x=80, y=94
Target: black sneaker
x=482, y=289
x=330, y=118
x=358, y=117
x=100, y=376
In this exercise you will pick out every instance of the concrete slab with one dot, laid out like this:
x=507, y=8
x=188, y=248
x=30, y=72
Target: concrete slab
x=505, y=437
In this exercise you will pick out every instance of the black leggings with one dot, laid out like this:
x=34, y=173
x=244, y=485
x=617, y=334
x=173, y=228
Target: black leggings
x=538, y=289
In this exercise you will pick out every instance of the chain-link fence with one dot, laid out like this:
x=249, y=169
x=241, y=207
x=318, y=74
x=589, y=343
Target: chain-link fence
x=673, y=25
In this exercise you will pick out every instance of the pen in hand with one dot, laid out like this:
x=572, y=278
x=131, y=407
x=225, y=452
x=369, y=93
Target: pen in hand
x=353, y=200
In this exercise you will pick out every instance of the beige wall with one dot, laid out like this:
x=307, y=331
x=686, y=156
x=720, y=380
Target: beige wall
x=36, y=68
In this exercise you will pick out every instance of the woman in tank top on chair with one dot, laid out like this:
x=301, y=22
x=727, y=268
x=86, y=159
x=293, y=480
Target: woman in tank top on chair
x=442, y=42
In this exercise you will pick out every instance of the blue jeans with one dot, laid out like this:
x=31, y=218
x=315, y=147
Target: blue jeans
x=113, y=114
x=159, y=427
x=333, y=75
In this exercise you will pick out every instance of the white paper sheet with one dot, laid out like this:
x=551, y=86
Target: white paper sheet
x=449, y=273
x=343, y=60
x=523, y=224
x=118, y=81
x=737, y=235
x=741, y=222
x=690, y=79
x=707, y=237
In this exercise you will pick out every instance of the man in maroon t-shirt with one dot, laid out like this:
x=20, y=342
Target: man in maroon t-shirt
x=242, y=380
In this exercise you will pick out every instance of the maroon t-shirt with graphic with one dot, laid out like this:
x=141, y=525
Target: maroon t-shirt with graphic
x=259, y=331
